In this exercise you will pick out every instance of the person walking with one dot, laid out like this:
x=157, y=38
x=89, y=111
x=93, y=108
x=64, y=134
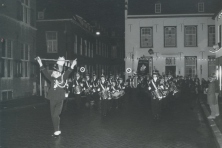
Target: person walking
x=217, y=90
x=211, y=98
x=154, y=84
x=56, y=93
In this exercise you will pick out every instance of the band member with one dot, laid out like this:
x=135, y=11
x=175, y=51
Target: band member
x=78, y=86
x=155, y=102
x=115, y=94
x=103, y=91
x=95, y=95
x=56, y=93
x=88, y=90
x=121, y=88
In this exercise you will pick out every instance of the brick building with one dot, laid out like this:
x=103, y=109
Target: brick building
x=62, y=33
x=17, y=48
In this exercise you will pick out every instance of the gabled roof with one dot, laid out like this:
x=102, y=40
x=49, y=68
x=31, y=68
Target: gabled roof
x=147, y=7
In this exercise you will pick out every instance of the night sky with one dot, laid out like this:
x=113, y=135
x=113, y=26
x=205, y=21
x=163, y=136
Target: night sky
x=110, y=13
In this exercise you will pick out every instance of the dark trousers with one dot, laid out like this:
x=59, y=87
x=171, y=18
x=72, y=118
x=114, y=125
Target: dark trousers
x=56, y=109
x=156, y=106
x=104, y=106
x=78, y=100
x=96, y=100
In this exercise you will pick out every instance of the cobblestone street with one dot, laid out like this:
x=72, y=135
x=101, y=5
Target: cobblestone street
x=129, y=127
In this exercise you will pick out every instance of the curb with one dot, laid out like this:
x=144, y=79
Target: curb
x=215, y=130
x=22, y=107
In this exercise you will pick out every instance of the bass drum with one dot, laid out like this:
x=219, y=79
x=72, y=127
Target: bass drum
x=116, y=95
x=122, y=93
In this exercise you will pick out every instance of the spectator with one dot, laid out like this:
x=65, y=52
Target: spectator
x=211, y=98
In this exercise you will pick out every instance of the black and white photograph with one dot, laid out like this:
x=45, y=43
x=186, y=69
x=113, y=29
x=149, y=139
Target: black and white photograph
x=110, y=74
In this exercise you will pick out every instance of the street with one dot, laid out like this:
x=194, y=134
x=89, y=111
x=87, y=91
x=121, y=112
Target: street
x=129, y=127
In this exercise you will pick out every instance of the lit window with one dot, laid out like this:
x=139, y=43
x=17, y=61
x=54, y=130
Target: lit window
x=211, y=65
x=190, y=66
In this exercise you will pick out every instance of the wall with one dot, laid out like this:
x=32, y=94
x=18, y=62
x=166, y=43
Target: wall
x=132, y=41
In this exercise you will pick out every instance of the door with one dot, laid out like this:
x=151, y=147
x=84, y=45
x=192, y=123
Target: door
x=170, y=70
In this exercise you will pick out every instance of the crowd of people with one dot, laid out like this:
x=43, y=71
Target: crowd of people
x=105, y=93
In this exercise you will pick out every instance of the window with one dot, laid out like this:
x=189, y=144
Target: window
x=89, y=50
x=102, y=49
x=211, y=36
x=92, y=51
x=26, y=11
x=80, y=46
x=190, y=33
x=52, y=41
x=146, y=37
x=219, y=34
x=6, y=95
x=75, y=44
x=96, y=46
x=99, y=48
x=25, y=56
x=201, y=7
x=211, y=65
x=40, y=15
x=7, y=58
x=190, y=66
x=158, y=8
x=85, y=47
x=170, y=36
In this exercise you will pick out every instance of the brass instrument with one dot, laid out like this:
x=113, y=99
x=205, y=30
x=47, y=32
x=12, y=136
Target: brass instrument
x=157, y=92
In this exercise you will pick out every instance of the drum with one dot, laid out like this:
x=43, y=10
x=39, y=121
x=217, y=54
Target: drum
x=122, y=92
x=115, y=95
x=77, y=89
x=104, y=94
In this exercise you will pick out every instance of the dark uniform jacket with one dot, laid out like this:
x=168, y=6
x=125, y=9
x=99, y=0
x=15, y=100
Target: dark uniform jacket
x=57, y=93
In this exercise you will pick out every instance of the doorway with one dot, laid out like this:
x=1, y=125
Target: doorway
x=170, y=70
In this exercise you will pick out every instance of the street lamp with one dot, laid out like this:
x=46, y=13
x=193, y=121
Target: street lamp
x=97, y=33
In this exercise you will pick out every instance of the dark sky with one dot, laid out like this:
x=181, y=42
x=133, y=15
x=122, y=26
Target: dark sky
x=110, y=13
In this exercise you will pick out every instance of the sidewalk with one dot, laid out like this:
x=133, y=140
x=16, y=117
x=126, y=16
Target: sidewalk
x=22, y=103
x=216, y=124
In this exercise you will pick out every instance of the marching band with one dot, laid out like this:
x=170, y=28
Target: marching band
x=106, y=93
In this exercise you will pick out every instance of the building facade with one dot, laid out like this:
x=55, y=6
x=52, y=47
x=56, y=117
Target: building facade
x=73, y=37
x=218, y=30
x=180, y=37
x=17, y=50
